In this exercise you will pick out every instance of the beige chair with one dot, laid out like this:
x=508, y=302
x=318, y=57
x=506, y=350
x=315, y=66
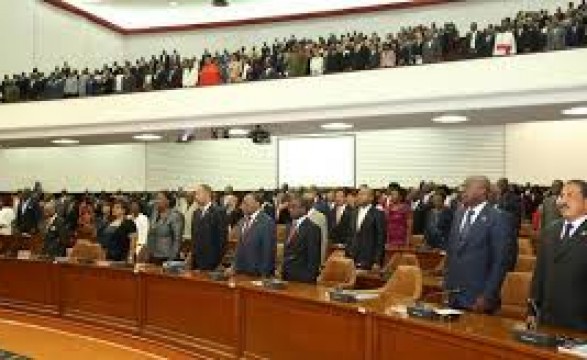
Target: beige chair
x=514, y=295
x=417, y=240
x=405, y=285
x=338, y=272
x=398, y=259
x=85, y=250
x=525, y=263
x=525, y=246
x=281, y=233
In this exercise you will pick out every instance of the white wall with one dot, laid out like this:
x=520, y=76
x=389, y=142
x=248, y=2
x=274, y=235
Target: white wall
x=35, y=34
x=542, y=152
x=192, y=43
x=108, y=167
x=537, y=152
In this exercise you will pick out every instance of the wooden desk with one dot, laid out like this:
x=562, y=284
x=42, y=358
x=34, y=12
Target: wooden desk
x=235, y=319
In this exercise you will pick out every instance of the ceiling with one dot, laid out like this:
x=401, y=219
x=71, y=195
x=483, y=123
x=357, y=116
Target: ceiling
x=134, y=15
x=479, y=117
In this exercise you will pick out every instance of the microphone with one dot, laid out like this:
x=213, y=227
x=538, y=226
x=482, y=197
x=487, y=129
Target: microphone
x=530, y=334
x=423, y=311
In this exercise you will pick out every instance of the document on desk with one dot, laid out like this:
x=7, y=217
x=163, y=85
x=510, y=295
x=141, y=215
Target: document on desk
x=365, y=296
x=448, y=312
x=579, y=351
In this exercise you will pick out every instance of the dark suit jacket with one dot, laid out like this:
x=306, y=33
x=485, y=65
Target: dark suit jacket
x=477, y=264
x=27, y=220
x=55, y=240
x=560, y=276
x=301, y=255
x=437, y=229
x=366, y=245
x=209, y=237
x=255, y=252
x=340, y=233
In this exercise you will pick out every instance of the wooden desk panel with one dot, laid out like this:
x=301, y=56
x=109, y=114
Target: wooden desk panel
x=279, y=326
x=28, y=285
x=193, y=312
x=420, y=339
x=107, y=296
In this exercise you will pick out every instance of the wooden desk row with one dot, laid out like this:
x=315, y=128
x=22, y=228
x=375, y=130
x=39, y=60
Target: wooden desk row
x=236, y=319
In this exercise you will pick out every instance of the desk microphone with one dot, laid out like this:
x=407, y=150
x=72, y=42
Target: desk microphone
x=530, y=334
x=423, y=311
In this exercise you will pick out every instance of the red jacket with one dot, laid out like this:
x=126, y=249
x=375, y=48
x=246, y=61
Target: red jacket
x=210, y=75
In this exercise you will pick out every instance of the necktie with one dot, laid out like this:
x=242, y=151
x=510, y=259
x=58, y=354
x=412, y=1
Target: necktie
x=292, y=231
x=246, y=226
x=468, y=223
x=338, y=214
x=567, y=233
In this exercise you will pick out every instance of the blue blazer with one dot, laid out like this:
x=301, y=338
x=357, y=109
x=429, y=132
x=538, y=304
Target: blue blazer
x=255, y=252
x=477, y=264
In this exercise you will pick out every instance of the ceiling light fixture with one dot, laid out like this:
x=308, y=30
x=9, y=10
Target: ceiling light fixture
x=65, y=141
x=147, y=137
x=173, y=3
x=336, y=126
x=579, y=110
x=450, y=119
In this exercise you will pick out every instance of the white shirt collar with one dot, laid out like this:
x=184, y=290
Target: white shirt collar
x=476, y=211
x=206, y=207
x=299, y=221
x=576, y=224
x=254, y=215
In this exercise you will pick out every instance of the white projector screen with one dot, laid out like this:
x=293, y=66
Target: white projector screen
x=324, y=161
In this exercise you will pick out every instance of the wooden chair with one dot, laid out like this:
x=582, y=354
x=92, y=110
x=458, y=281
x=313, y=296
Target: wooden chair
x=85, y=250
x=338, y=272
x=514, y=295
x=406, y=283
x=525, y=246
x=525, y=263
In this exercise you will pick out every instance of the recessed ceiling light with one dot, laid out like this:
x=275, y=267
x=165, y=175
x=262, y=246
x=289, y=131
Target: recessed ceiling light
x=238, y=132
x=65, y=141
x=580, y=110
x=450, y=119
x=173, y=3
x=336, y=126
x=147, y=137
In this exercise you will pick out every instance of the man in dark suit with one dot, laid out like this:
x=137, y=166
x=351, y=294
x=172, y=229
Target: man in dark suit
x=339, y=219
x=366, y=245
x=255, y=251
x=478, y=250
x=209, y=231
x=301, y=255
x=28, y=213
x=558, y=286
x=55, y=233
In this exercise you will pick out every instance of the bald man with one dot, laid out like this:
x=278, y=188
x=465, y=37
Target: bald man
x=480, y=246
x=209, y=231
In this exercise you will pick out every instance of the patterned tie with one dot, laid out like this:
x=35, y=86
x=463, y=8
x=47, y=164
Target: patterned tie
x=467, y=225
x=567, y=234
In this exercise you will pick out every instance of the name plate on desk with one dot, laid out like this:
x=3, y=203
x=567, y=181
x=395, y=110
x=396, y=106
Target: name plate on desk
x=174, y=267
x=217, y=275
x=343, y=296
x=272, y=284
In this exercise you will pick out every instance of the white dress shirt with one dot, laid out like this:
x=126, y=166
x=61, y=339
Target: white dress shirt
x=142, y=224
x=576, y=224
x=6, y=218
x=476, y=211
x=361, y=215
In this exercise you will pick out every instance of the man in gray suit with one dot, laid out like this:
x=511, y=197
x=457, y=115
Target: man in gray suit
x=558, y=285
x=320, y=220
x=255, y=251
x=550, y=211
x=479, y=250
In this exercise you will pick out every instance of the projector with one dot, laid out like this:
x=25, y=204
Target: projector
x=219, y=2
x=260, y=136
